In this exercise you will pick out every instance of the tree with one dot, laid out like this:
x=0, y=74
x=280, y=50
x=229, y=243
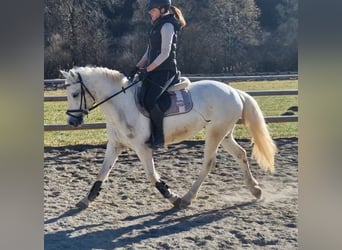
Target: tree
x=222, y=41
x=79, y=27
x=221, y=35
x=119, y=28
x=279, y=52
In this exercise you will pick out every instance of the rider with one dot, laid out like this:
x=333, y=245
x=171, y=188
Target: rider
x=158, y=66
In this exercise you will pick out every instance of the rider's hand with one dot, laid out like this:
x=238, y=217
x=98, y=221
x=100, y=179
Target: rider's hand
x=142, y=74
x=132, y=73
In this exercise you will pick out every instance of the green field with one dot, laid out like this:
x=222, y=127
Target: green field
x=54, y=113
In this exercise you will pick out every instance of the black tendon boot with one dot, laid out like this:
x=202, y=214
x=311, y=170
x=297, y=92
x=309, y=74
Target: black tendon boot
x=157, y=136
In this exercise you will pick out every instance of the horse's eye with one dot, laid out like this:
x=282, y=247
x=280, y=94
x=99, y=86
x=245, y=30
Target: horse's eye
x=75, y=95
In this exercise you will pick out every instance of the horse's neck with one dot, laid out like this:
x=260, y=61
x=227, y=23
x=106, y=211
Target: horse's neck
x=121, y=106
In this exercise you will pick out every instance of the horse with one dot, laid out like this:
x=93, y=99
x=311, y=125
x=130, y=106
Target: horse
x=217, y=107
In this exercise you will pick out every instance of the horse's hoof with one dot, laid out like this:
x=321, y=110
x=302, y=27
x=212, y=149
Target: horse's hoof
x=83, y=204
x=180, y=203
x=177, y=202
x=257, y=192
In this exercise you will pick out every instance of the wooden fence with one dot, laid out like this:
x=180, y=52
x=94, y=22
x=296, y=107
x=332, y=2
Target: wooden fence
x=268, y=119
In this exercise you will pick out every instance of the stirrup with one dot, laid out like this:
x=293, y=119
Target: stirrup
x=158, y=145
x=152, y=144
x=149, y=142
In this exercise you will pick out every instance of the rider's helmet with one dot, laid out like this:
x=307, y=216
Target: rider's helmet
x=158, y=4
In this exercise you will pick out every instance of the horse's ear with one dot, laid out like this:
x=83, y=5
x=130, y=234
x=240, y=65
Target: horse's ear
x=73, y=74
x=64, y=73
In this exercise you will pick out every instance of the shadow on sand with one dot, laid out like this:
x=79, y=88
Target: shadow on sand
x=147, y=226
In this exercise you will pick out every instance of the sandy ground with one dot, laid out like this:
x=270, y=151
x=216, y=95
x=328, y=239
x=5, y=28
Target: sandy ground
x=131, y=214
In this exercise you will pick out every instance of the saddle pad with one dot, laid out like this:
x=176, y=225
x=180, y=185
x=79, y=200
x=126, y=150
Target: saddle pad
x=181, y=103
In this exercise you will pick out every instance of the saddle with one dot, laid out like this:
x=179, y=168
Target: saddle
x=174, y=101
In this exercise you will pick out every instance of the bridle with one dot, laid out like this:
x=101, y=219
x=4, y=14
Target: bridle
x=83, y=102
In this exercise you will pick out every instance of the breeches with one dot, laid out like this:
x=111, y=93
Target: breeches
x=154, y=86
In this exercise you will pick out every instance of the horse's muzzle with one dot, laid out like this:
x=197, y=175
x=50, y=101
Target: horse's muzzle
x=75, y=121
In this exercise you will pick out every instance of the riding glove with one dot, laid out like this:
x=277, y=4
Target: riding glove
x=133, y=72
x=142, y=74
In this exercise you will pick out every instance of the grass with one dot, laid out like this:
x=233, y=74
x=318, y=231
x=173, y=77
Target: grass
x=54, y=113
x=272, y=106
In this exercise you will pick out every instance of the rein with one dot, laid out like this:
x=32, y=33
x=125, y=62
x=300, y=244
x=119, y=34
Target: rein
x=123, y=89
x=83, y=99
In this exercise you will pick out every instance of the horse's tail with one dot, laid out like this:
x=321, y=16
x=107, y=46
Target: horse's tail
x=264, y=148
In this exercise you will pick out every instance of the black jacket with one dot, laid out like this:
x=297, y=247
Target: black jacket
x=155, y=43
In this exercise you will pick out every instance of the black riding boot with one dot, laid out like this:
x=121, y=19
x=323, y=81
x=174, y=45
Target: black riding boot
x=157, y=136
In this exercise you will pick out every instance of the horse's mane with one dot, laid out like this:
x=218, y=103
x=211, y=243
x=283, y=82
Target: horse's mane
x=99, y=72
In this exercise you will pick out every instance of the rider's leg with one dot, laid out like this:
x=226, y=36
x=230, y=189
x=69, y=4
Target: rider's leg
x=157, y=117
x=155, y=85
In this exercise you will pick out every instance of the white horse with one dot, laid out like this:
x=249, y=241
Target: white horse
x=216, y=107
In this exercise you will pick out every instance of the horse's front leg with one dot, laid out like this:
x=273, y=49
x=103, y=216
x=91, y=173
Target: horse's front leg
x=145, y=156
x=113, y=150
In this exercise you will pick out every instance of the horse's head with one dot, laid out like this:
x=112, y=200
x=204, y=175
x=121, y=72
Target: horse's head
x=80, y=99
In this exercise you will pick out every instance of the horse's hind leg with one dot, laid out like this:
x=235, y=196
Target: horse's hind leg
x=212, y=141
x=240, y=156
x=111, y=156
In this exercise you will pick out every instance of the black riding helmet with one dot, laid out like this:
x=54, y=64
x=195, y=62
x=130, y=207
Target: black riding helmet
x=158, y=4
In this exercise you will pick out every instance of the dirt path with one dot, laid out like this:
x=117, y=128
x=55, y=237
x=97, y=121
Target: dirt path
x=131, y=214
